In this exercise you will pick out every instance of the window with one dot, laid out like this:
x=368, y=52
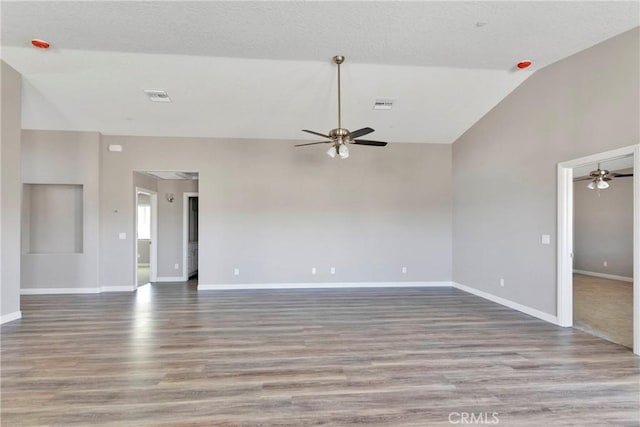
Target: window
x=144, y=222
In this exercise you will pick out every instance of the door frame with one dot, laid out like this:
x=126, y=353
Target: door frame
x=153, y=248
x=565, y=235
x=185, y=232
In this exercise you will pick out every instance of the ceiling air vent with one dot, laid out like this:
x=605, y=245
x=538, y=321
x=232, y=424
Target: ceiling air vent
x=383, y=104
x=157, y=95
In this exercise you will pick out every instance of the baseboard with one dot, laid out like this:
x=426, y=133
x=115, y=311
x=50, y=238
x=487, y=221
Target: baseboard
x=116, y=289
x=55, y=291
x=227, y=287
x=604, y=275
x=10, y=317
x=507, y=303
x=59, y=291
x=169, y=279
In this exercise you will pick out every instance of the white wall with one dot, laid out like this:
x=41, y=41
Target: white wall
x=603, y=228
x=504, y=179
x=275, y=211
x=267, y=208
x=58, y=157
x=10, y=192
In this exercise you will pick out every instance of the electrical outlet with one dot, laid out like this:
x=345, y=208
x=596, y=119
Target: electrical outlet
x=236, y=271
x=122, y=236
x=502, y=282
x=605, y=263
x=404, y=270
x=313, y=270
x=333, y=270
x=176, y=266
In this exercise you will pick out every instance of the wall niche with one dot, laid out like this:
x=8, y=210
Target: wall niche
x=52, y=218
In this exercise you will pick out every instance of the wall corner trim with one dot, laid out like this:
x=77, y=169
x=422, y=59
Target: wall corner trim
x=507, y=303
x=239, y=286
x=10, y=317
x=604, y=275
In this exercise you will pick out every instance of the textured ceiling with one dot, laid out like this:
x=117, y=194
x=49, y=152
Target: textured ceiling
x=263, y=70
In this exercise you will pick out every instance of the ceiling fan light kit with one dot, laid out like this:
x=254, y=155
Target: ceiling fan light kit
x=340, y=137
x=598, y=179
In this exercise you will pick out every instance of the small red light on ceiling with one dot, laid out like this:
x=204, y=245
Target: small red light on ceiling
x=40, y=44
x=524, y=64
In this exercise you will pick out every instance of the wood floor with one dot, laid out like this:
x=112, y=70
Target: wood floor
x=170, y=356
x=604, y=308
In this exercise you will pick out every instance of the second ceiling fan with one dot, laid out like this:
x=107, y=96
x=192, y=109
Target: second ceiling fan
x=340, y=137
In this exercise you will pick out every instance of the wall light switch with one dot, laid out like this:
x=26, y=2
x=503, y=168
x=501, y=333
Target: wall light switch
x=404, y=270
x=605, y=264
x=236, y=271
x=333, y=270
x=546, y=239
x=122, y=236
x=176, y=266
x=313, y=270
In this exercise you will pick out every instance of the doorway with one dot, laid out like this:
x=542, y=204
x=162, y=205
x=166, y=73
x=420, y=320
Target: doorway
x=146, y=237
x=190, y=235
x=566, y=239
x=603, y=249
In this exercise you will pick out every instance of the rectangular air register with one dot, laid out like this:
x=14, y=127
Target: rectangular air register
x=384, y=104
x=156, y=95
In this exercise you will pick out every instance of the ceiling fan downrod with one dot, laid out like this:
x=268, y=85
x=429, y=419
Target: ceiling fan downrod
x=340, y=137
x=339, y=59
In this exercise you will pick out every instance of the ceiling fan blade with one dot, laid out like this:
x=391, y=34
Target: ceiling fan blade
x=621, y=175
x=369, y=142
x=316, y=133
x=584, y=178
x=361, y=132
x=312, y=143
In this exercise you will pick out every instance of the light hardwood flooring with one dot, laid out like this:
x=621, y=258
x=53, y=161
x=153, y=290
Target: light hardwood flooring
x=604, y=308
x=171, y=356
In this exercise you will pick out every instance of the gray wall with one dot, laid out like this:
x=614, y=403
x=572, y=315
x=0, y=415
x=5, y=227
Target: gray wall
x=10, y=190
x=603, y=228
x=504, y=180
x=52, y=218
x=274, y=211
x=58, y=157
x=170, y=225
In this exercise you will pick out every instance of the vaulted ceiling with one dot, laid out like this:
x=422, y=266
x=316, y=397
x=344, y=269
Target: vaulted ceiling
x=263, y=69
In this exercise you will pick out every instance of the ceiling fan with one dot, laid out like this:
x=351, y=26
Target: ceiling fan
x=340, y=137
x=599, y=178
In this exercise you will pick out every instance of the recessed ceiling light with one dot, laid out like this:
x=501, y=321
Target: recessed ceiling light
x=481, y=23
x=41, y=44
